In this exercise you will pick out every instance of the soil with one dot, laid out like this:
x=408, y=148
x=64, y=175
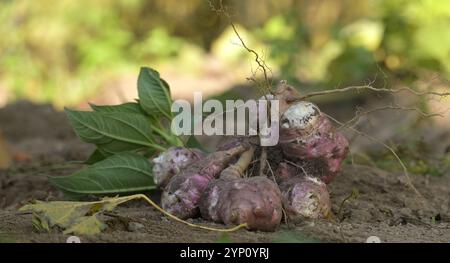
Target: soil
x=384, y=207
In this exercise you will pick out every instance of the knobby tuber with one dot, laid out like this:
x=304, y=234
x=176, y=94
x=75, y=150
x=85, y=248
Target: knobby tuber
x=233, y=200
x=307, y=137
x=171, y=162
x=302, y=196
x=307, y=134
x=182, y=194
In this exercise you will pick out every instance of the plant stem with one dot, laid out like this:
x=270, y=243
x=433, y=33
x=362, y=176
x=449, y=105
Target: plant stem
x=173, y=140
x=157, y=147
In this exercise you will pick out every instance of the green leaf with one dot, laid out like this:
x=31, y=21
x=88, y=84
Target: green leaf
x=129, y=107
x=114, y=147
x=102, y=128
x=95, y=157
x=148, y=153
x=120, y=173
x=103, y=151
x=74, y=217
x=154, y=93
x=75, y=196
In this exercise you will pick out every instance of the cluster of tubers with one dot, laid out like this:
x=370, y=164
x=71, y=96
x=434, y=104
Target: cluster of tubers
x=221, y=186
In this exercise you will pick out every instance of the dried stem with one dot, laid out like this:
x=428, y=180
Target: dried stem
x=223, y=10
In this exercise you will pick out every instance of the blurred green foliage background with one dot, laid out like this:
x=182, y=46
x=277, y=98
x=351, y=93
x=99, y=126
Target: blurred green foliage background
x=64, y=51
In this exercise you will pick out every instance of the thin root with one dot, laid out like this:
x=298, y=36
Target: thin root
x=222, y=9
x=298, y=166
x=271, y=171
x=405, y=170
x=148, y=200
x=360, y=113
x=353, y=195
x=369, y=87
x=262, y=161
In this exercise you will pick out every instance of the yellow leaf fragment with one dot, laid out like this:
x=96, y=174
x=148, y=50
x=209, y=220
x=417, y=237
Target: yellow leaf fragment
x=74, y=217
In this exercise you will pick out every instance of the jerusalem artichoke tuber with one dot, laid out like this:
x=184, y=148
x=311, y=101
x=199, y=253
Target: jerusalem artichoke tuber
x=171, y=162
x=307, y=134
x=302, y=196
x=233, y=200
x=182, y=194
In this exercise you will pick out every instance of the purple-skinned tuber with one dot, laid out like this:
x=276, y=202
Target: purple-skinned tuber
x=255, y=201
x=233, y=200
x=171, y=162
x=308, y=135
x=303, y=197
x=182, y=194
